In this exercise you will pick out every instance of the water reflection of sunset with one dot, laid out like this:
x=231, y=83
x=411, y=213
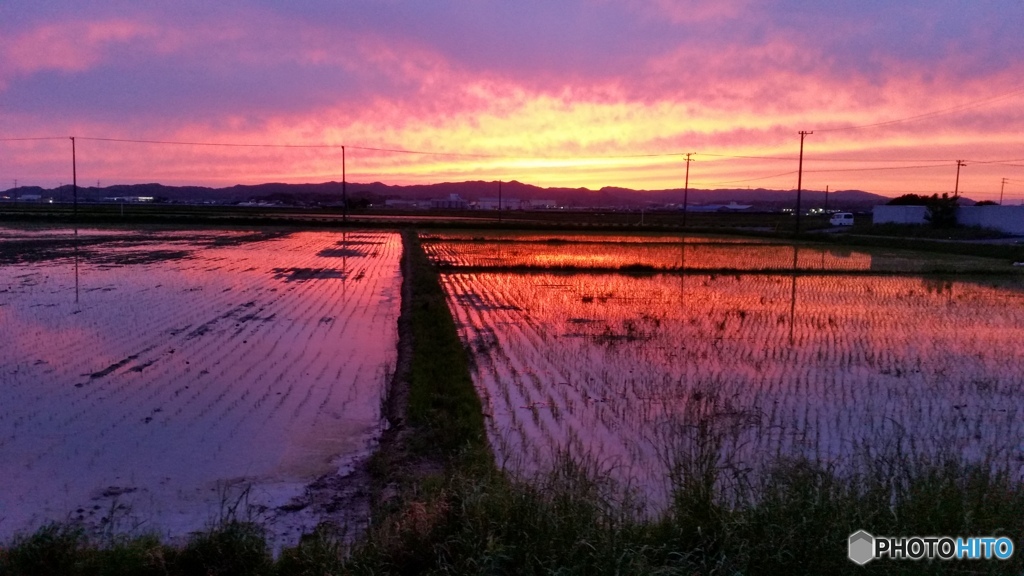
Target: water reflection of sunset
x=232, y=351
x=692, y=253
x=820, y=366
x=692, y=256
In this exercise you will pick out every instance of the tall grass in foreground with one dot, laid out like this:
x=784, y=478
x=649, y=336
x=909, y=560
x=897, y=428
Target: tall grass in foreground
x=571, y=521
x=796, y=520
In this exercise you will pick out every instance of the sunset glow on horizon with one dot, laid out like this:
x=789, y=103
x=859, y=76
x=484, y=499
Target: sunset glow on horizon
x=587, y=93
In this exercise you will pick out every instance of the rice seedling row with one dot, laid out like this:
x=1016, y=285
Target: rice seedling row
x=690, y=253
x=828, y=367
x=605, y=239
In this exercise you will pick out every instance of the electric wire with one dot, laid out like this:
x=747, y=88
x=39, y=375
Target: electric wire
x=932, y=114
x=506, y=157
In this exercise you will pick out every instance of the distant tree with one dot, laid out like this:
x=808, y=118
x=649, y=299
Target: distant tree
x=909, y=200
x=986, y=203
x=941, y=211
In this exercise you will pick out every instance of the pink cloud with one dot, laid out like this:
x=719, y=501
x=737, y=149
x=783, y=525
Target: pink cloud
x=265, y=76
x=74, y=46
x=687, y=11
x=65, y=47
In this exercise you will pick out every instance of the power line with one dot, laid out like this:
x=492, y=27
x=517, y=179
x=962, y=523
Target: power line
x=751, y=179
x=265, y=145
x=878, y=168
x=507, y=156
x=35, y=138
x=890, y=160
x=748, y=157
x=465, y=154
x=342, y=147
x=992, y=161
x=965, y=106
x=369, y=148
x=833, y=159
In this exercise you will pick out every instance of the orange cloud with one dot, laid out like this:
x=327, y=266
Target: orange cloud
x=268, y=77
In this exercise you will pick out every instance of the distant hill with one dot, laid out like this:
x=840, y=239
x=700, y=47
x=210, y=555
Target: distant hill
x=331, y=192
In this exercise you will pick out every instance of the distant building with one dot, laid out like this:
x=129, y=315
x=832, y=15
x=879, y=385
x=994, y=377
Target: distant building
x=30, y=197
x=132, y=199
x=403, y=204
x=452, y=202
x=492, y=204
x=730, y=207
x=1006, y=219
x=540, y=204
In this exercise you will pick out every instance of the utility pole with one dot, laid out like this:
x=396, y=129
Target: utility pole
x=800, y=178
x=686, y=190
x=956, y=189
x=74, y=188
x=826, y=198
x=1001, y=188
x=344, y=189
x=74, y=179
x=499, y=201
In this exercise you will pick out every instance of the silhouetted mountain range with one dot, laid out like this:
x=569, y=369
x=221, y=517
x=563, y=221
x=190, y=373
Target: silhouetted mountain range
x=331, y=193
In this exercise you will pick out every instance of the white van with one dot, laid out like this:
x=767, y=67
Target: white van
x=841, y=219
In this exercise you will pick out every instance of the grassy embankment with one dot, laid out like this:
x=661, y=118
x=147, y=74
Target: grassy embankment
x=453, y=512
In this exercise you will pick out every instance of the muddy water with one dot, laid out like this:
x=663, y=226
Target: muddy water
x=641, y=374
x=198, y=374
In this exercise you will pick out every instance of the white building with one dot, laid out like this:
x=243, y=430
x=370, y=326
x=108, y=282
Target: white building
x=452, y=202
x=1007, y=219
x=492, y=204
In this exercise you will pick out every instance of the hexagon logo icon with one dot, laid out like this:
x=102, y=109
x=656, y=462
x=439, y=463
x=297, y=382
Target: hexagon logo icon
x=861, y=547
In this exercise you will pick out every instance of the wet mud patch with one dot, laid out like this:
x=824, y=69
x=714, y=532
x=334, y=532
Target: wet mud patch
x=341, y=253
x=307, y=274
x=29, y=250
x=221, y=240
x=140, y=247
x=120, y=364
x=113, y=367
x=136, y=257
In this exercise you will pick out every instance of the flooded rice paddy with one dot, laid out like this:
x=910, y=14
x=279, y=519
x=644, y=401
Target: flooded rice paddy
x=184, y=375
x=666, y=253
x=638, y=371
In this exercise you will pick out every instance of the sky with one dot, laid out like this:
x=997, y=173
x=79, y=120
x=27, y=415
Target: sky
x=578, y=93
